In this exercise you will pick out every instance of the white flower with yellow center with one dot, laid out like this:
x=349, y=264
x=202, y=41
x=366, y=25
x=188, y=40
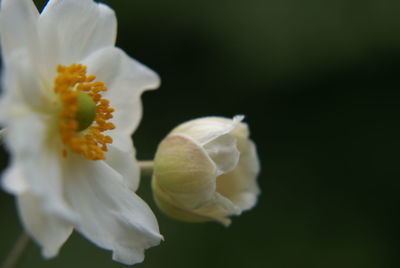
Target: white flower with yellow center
x=206, y=170
x=70, y=102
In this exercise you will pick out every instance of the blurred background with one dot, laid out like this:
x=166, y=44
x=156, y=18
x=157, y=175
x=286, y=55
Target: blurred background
x=318, y=82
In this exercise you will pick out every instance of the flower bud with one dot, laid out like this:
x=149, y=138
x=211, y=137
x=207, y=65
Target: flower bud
x=206, y=170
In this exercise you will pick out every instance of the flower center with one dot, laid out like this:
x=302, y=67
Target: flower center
x=84, y=113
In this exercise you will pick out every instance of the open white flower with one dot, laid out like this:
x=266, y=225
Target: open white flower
x=206, y=170
x=70, y=102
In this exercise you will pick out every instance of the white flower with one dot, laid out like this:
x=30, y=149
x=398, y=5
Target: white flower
x=206, y=170
x=70, y=103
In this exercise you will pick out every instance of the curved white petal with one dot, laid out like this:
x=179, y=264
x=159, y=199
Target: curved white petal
x=43, y=173
x=18, y=22
x=125, y=163
x=48, y=230
x=219, y=208
x=71, y=30
x=21, y=147
x=185, y=172
x=110, y=215
x=13, y=180
x=213, y=134
x=222, y=150
x=22, y=92
x=206, y=129
x=126, y=79
x=36, y=162
x=16, y=140
x=240, y=185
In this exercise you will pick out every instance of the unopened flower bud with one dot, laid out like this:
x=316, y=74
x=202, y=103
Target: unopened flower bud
x=206, y=170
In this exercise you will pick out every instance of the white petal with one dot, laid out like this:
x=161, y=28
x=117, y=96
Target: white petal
x=240, y=185
x=185, y=172
x=49, y=231
x=71, y=30
x=219, y=209
x=213, y=134
x=13, y=180
x=111, y=216
x=223, y=152
x=36, y=161
x=18, y=22
x=206, y=129
x=21, y=145
x=126, y=164
x=126, y=79
x=22, y=91
x=21, y=148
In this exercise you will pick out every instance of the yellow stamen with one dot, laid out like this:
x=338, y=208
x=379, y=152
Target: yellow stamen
x=83, y=138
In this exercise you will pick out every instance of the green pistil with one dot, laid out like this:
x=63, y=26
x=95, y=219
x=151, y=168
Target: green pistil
x=86, y=111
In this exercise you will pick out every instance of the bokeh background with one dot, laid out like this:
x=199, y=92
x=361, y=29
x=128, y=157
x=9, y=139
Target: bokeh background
x=318, y=81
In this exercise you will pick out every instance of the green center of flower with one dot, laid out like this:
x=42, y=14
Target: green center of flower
x=86, y=112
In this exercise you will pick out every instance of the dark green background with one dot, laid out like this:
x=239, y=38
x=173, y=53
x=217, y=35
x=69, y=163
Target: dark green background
x=318, y=82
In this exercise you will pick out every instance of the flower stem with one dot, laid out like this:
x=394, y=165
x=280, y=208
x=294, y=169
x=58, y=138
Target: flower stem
x=17, y=251
x=146, y=168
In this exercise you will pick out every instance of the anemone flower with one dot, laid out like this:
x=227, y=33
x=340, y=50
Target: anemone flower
x=206, y=170
x=70, y=102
